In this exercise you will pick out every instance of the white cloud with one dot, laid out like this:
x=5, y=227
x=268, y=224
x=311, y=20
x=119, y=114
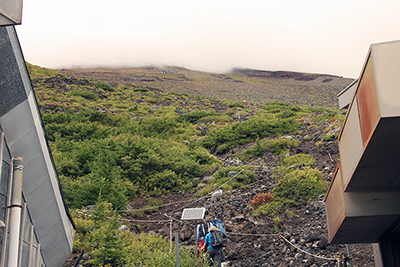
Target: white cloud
x=309, y=35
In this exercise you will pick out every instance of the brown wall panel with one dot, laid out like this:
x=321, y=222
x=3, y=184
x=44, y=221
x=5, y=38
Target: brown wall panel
x=367, y=103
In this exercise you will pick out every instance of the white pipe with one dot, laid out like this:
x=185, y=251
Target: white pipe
x=15, y=216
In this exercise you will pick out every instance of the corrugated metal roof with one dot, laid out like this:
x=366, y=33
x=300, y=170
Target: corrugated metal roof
x=21, y=122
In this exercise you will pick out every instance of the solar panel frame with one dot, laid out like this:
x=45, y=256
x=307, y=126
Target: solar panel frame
x=193, y=214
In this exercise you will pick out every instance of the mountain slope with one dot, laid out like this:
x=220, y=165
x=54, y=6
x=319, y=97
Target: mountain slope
x=318, y=90
x=132, y=101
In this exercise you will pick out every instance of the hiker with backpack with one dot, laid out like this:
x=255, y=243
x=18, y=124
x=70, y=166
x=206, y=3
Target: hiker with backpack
x=214, y=243
x=202, y=230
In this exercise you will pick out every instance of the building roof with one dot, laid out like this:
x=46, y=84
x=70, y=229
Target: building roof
x=25, y=136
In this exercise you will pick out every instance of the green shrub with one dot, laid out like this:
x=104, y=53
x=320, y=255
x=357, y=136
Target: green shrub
x=105, y=87
x=221, y=139
x=319, y=144
x=141, y=90
x=119, y=158
x=232, y=104
x=306, y=183
x=84, y=94
x=215, y=118
x=195, y=116
x=296, y=161
x=152, y=205
x=269, y=209
x=106, y=245
x=277, y=146
x=328, y=138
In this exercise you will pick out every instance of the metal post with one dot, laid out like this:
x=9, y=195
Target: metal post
x=170, y=235
x=37, y=255
x=15, y=216
x=21, y=234
x=195, y=241
x=30, y=246
x=349, y=255
x=77, y=260
x=377, y=255
x=178, y=264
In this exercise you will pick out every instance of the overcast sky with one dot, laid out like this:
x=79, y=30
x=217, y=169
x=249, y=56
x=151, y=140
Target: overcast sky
x=317, y=36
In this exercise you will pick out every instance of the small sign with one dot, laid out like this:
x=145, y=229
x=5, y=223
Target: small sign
x=193, y=214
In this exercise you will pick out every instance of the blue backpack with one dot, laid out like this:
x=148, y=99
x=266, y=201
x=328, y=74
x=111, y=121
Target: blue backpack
x=217, y=238
x=218, y=223
x=217, y=235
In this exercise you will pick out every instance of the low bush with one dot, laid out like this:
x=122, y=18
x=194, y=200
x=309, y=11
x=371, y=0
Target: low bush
x=306, y=183
x=105, y=87
x=98, y=234
x=219, y=140
x=215, y=118
x=84, y=94
x=277, y=146
x=196, y=116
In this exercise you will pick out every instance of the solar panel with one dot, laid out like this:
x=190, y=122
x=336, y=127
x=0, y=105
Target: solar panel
x=193, y=214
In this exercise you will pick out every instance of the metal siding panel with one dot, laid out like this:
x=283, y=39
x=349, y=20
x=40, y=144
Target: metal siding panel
x=36, y=174
x=57, y=258
x=56, y=245
x=350, y=143
x=335, y=205
x=386, y=60
x=19, y=147
x=367, y=101
x=17, y=121
x=346, y=95
x=52, y=175
x=46, y=220
x=39, y=200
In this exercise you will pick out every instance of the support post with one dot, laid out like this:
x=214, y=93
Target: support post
x=37, y=255
x=170, y=235
x=178, y=264
x=30, y=246
x=21, y=235
x=350, y=259
x=195, y=241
